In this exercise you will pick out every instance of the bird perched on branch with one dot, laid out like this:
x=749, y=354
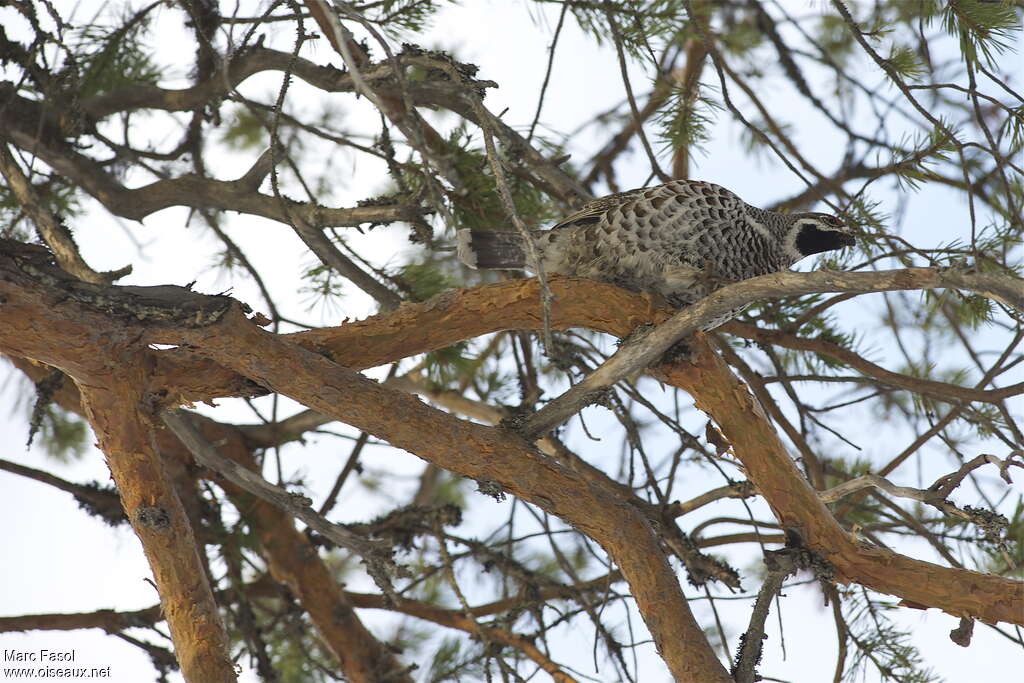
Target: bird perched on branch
x=679, y=241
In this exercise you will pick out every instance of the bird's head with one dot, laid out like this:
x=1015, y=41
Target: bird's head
x=813, y=233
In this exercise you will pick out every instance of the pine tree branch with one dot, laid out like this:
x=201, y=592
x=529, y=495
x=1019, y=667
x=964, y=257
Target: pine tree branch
x=484, y=453
x=156, y=514
x=780, y=565
x=646, y=348
x=25, y=125
x=295, y=505
x=49, y=226
x=292, y=559
x=797, y=506
x=943, y=391
x=490, y=454
x=104, y=503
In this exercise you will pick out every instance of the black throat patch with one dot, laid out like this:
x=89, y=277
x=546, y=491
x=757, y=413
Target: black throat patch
x=813, y=240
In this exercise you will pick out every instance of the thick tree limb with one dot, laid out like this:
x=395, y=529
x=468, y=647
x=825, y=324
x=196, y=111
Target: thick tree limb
x=156, y=514
x=643, y=350
x=460, y=314
x=294, y=563
x=291, y=557
x=482, y=453
x=81, y=334
x=495, y=455
x=44, y=320
x=475, y=451
x=864, y=565
x=796, y=505
x=416, y=328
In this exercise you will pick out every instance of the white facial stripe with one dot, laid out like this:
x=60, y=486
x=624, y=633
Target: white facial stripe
x=790, y=242
x=758, y=227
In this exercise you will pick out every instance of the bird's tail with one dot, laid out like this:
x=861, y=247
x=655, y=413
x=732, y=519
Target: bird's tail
x=491, y=249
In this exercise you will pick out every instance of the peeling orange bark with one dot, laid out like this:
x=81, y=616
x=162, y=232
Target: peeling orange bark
x=239, y=354
x=159, y=520
x=416, y=328
x=291, y=558
x=486, y=454
x=294, y=562
x=744, y=424
x=106, y=360
x=460, y=314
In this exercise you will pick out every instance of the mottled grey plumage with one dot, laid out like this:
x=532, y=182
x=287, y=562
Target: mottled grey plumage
x=680, y=240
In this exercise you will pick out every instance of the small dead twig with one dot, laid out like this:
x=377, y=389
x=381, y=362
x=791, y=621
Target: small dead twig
x=937, y=495
x=780, y=563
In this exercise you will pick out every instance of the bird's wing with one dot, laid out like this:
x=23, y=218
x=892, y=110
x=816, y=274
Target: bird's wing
x=683, y=191
x=593, y=210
